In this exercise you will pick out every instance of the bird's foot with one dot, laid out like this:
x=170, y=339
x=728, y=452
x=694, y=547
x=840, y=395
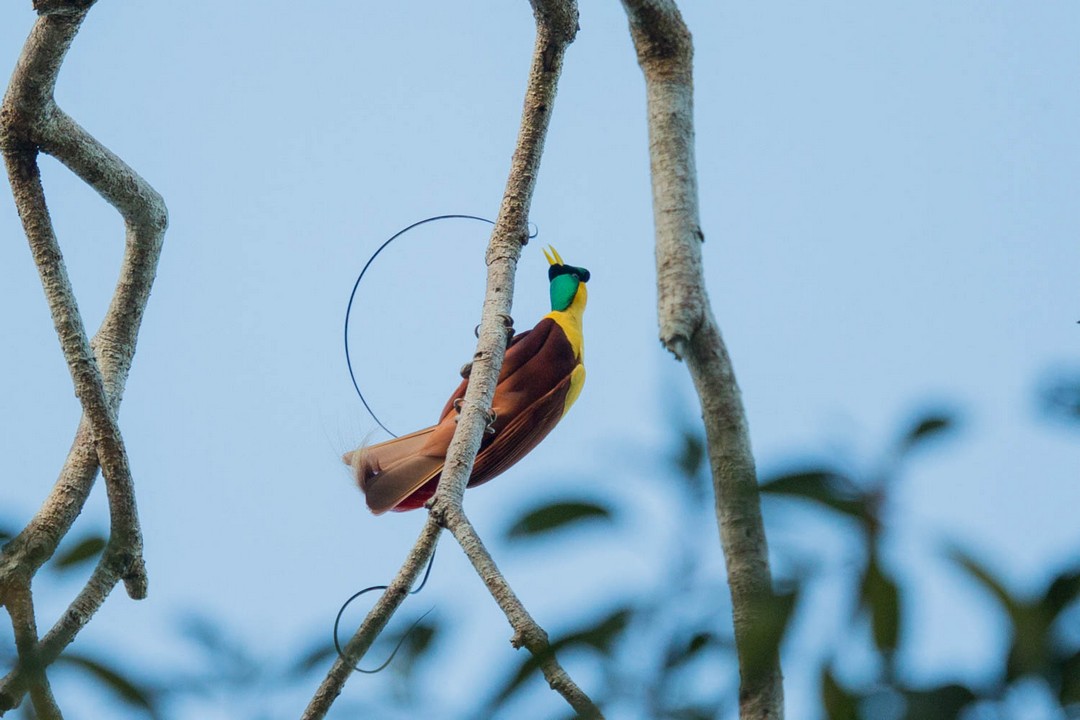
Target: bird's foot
x=508, y=325
x=492, y=416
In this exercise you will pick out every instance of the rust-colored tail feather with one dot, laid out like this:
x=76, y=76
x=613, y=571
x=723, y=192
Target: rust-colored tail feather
x=389, y=472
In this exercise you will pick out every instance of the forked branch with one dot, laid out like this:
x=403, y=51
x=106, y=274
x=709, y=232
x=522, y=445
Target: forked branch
x=556, y=27
x=689, y=330
x=31, y=122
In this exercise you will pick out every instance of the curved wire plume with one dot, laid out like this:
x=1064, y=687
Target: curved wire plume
x=337, y=620
x=356, y=285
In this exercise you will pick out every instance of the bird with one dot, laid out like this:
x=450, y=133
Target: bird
x=542, y=376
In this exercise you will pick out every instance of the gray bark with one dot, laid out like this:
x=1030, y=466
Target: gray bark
x=556, y=26
x=688, y=329
x=31, y=122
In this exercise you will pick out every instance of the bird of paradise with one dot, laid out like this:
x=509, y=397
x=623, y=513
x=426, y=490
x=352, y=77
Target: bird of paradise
x=542, y=375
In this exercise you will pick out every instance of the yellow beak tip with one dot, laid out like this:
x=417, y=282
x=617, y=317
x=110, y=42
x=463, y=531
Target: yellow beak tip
x=553, y=258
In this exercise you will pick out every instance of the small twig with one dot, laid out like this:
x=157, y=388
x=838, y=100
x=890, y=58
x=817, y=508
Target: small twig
x=689, y=330
x=374, y=623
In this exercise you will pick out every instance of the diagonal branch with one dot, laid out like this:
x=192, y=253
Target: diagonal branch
x=556, y=26
x=31, y=122
x=556, y=22
x=527, y=632
x=689, y=330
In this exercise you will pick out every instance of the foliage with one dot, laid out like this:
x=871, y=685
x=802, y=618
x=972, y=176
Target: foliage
x=666, y=652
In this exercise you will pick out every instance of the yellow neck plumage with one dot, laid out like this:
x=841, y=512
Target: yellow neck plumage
x=570, y=322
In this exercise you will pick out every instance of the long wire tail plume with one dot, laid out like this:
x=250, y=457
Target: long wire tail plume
x=352, y=296
x=356, y=286
x=404, y=637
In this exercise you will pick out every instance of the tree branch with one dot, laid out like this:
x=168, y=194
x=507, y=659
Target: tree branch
x=527, y=632
x=24, y=625
x=689, y=330
x=31, y=122
x=556, y=26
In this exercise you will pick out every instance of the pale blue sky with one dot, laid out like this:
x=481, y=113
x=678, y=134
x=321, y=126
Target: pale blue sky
x=888, y=198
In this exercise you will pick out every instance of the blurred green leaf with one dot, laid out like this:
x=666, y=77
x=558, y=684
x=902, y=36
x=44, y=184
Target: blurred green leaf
x=1069, y=670
x=762, y=649
x=681, y=652
x=125, y=688
x=880, y=595
x=6, y=534
x=525, y=670
x=84, y=551
x=1030, y=652
x=822, y=485
x=556, y=516
x=695, y=712
x=939, y=703
x=691, y=454
x=600, y=636
x=314, y=657
x=839, y=703
x=417, y=640
x=1063, y=592
x=228, y=657
x=1060, y=399
x=929, y=426
x=986, y=579
x=404, y=647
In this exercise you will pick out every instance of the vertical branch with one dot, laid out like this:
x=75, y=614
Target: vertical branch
x=689, y=330
x=21, y=608
x=31, y=122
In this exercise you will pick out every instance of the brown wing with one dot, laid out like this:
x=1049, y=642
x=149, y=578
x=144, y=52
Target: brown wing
x=521, y=435
x=529, y=399
x=522, y=347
